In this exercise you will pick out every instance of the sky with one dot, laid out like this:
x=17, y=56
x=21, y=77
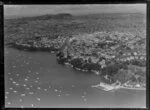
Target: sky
x=33, y=10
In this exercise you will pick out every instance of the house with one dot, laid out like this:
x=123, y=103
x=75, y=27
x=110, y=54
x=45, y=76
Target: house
x=94, y=59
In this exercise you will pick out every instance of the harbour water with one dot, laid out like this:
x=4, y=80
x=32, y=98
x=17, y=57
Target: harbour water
x=35, y=79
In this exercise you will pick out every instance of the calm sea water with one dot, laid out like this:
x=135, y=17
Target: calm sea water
x=35, y=79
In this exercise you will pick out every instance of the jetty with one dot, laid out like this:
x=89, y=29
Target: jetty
x=108, y=87
x=115, y=86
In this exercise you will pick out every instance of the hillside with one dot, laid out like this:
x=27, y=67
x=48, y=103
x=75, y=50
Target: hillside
x=120, y=56
x=31, y=27
x=112, y=46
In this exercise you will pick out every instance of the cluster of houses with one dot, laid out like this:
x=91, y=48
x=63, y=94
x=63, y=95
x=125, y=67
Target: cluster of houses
x=87, y=50
x=98, y=48
x=40, y=42
x=95, y=51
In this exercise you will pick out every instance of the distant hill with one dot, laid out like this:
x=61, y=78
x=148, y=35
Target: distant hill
x=45, y=17
x=57, y=16
x=62, y=15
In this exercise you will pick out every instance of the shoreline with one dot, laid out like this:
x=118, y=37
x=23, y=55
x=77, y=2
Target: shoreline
x=85, y=70
x=31, y=49
x=110, y=87
x=82, y=70
x=123, y=86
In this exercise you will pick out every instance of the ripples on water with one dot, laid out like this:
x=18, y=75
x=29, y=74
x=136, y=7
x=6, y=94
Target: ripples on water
x=36, y=80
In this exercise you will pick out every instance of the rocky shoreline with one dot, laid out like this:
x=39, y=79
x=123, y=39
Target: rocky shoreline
x=133, y=85
x=32, y=48
x=38, y=43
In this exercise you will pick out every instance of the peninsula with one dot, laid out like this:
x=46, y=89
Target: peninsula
x=112, y=47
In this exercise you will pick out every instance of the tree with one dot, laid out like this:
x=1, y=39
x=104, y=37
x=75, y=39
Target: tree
x=111, y=69
x=77, y=62
x=122, y=76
